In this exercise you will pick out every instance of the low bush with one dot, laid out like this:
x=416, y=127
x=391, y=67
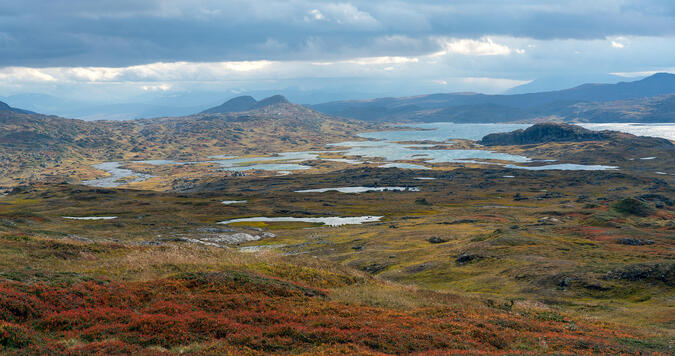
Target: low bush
x=246, y=313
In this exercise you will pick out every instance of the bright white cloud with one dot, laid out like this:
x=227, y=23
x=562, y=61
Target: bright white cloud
x=315, y=14
x=370, y=61
x=618, y=42
x=468, y=47
x=383, y=60
x=23, y=74
x=86, y=74
x=178, y=71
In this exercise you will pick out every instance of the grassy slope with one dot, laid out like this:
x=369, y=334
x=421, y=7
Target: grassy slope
x=226, y=305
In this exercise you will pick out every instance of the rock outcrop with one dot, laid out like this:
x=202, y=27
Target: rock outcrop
x=544, y=133
x=560, y=132
x=245, y=103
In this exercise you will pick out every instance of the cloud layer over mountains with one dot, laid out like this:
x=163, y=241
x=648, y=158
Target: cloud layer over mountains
x=123, y=49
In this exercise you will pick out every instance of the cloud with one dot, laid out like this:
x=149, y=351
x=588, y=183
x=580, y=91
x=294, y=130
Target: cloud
x=469, y=47
x=618, y=42
x=367, y=61
x=348, y=14
x=501, y=58
x=314, y=14
x=86, y=74
x=125, y=48
x=644, y=73
x=177, y=71
x=158, y=87
x=23, y=74
x=127, y=32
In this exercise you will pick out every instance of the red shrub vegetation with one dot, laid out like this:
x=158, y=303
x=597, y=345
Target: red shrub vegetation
x=238, y=313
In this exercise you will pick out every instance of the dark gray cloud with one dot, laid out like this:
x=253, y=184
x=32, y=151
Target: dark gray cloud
x=43, y=33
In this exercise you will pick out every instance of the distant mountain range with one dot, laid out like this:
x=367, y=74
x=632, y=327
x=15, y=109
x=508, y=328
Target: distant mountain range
x=560, y=81
x=158, y=104
x=651, y=99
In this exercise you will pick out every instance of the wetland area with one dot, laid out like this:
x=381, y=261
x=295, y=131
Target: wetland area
x=386, y=149
x=551, y=235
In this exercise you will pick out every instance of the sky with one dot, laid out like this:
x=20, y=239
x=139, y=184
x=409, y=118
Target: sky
x=196, y=53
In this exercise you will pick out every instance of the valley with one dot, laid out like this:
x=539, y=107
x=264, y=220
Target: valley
x=584, y=254
x=282, y=230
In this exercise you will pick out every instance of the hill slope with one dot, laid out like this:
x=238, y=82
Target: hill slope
x=64, y=148
x=7, y=108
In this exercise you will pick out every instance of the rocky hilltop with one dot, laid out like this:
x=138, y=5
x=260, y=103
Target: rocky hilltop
x=544, y=133
x=561, y=132
x=245, y=103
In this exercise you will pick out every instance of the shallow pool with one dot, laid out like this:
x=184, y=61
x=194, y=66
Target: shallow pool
x=358, y=189
x=89, y=217
x=330, y=221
